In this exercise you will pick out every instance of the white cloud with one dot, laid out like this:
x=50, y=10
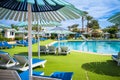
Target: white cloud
x=99, y=9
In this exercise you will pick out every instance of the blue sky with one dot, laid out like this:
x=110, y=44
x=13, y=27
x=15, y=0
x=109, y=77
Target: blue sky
x=101, y=10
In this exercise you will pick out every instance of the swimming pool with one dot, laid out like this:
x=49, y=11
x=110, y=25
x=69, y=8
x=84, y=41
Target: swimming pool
x=104, y=47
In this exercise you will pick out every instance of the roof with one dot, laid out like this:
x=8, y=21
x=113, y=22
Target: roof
x=11, y=30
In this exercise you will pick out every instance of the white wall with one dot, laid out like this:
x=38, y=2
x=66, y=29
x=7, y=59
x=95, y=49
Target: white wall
x=9, y=34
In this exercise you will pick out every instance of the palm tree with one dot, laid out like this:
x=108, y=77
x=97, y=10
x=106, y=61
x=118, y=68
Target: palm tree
x=82, y=23
x=83, y=17
x=88, y=18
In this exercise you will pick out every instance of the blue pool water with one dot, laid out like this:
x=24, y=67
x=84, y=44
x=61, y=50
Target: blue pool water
x=105, y=47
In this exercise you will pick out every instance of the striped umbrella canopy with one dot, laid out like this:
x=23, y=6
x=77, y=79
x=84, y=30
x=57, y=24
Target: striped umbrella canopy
x=25, y=31
x=32, y=10
x=50, y=10
x=22, y=31
x=115, y=18
x=43, y=24
x=4, y=26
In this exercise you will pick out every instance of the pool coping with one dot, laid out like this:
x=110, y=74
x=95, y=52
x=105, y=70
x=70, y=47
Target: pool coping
x=92, y=53
x=93, y=40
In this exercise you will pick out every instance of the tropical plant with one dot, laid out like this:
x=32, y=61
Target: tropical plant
x=88, y=18
x=35, y=27
x=93, y=24
x=74, y=28
x=14, y=26
x=83, y=19
x=112, y=30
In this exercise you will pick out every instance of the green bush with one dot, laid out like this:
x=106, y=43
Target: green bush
x=53, y=36
x=4, y=39
x=18, y=38
x=71, y=36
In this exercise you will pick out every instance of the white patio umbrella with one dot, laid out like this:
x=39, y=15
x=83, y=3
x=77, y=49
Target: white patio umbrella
x=32, y=10
x=106, y=35
x=118, y=34
x=42, y=24
x=58, y=31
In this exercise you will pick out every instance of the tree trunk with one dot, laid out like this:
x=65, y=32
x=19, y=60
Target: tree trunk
x=87, y=25
x=82, y=23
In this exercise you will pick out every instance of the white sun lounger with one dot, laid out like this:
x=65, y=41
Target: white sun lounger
x=116, y=58
x=51, y=49
x=14, y=75
x=64, y=50
x=23, y=63
x=43, y=49
x=6, y=61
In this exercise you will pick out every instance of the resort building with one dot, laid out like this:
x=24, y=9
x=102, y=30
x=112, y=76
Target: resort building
x=9, y=33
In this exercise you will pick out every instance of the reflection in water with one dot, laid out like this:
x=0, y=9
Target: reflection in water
x=107, y=47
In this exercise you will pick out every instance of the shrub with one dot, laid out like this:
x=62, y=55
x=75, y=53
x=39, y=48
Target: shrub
x=18, y=38
x=4, y=39
x=53, y=36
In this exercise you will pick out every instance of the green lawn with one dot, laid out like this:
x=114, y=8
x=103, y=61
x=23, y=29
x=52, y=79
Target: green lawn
x=85, y=66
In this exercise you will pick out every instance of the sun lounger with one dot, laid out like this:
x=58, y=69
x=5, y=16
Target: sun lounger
x=64, y=50
x=25, y=74
x=44, y=78
x=55, y=76
x=7, y=45
x=22, y=42
x=116, y=58
x=43, y=39
x=1, y=45
x=51, y=49
x=62, y=75
x=9, y=75
x=23, y=63
x=43, y=49
x=6, y=60
x=14, y=75
x=2, y=52
x=11, y=45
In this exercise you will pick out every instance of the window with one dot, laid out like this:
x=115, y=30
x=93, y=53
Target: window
x=11, y=33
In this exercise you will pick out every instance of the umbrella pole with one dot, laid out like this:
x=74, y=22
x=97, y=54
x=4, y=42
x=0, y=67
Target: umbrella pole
x=30, y=40
x=58, y=43
x=38, y=43
x=23, y=34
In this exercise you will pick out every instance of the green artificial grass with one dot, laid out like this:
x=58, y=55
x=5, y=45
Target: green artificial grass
x=85, y=66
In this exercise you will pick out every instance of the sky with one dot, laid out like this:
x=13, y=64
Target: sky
x=100, y=10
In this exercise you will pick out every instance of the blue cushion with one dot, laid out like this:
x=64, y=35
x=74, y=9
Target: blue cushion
x=25, y=75
x=115, y=56
x=36, y=60
x=2, y=52
x=62, y=75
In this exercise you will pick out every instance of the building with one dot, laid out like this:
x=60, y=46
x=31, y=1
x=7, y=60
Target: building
x=9, y=33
